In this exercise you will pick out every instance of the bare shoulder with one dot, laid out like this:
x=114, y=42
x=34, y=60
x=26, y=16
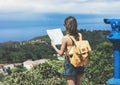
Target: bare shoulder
x=65, y=37
x=67, y=40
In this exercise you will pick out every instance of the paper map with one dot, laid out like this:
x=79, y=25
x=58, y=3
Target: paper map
x=55, y=35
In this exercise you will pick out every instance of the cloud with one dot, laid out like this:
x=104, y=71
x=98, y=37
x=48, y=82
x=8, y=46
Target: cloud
x=60, y=6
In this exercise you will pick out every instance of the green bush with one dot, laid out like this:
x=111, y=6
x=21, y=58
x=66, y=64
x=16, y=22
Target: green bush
x=19, y=69
x=97, y=71
x=1, y=76
x=42, y=74
x=100, y=66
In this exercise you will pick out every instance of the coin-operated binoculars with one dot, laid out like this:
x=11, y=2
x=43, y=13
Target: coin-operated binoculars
x=114, y=37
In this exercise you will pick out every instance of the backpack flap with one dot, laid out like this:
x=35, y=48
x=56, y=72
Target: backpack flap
x=80, y=51
x=83, y=46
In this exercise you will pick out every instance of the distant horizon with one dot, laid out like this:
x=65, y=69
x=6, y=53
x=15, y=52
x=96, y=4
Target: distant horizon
x=22, y=40
x=21, y=30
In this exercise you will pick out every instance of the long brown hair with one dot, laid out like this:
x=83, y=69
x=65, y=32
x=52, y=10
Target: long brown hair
x=71, y=26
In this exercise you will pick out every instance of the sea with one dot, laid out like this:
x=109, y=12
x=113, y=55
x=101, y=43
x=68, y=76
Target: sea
x=15, y=30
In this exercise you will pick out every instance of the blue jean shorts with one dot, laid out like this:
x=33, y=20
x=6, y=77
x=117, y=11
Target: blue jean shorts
x=70, y=70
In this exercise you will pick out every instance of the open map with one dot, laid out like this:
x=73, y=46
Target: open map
x=55, y=35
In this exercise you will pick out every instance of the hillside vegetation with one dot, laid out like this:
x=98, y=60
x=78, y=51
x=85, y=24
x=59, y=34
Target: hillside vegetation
x=97, y=71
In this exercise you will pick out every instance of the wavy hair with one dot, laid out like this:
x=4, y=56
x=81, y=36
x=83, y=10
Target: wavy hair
x=70, y=24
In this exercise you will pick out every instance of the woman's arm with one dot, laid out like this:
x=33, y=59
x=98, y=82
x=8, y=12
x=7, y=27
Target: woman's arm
x=63, y=47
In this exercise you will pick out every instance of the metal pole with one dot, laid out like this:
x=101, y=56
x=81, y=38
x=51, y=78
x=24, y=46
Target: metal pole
x=114, y=37
x=116, y=46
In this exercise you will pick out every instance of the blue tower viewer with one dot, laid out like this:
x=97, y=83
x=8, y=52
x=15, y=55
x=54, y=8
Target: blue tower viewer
x=114, y=37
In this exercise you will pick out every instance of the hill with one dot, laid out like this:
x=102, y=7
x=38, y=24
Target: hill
x=40, y=47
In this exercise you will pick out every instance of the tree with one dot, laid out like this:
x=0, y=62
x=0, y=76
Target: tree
x=100, y=66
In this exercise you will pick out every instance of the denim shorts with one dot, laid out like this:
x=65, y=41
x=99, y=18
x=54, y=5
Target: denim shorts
x=70, y=70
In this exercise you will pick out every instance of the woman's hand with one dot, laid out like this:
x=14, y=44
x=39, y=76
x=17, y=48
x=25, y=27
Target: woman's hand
x=55, y=48
x=62, y=49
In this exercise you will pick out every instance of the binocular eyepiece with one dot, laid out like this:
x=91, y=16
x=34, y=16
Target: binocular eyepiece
x=115, y=23
x=106, y=21
x=115, y=33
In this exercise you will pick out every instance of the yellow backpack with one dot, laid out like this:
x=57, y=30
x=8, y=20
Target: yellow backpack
x=79, y=52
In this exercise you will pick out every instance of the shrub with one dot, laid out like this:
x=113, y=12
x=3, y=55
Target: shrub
x=42, y=74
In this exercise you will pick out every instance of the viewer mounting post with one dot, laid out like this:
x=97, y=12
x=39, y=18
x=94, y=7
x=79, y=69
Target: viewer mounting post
x=114, y=37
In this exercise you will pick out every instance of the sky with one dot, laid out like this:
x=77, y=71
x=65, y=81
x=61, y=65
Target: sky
x=21, y=19
x=59, y=6
x=26, y=8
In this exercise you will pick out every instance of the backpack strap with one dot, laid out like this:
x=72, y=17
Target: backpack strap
x=80, y=36
x=74, y=40
x=67, y=57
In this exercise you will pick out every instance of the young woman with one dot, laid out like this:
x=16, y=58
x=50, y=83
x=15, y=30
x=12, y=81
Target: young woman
x=73, y=74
